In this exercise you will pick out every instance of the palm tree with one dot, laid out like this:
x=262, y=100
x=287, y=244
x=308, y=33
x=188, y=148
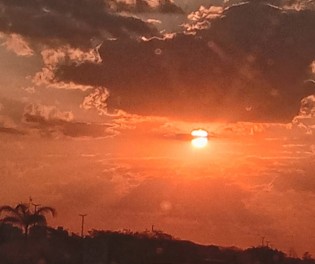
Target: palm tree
x=22, y=216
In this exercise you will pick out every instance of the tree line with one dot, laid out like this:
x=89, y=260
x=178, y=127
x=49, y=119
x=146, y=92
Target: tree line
x=25, y=238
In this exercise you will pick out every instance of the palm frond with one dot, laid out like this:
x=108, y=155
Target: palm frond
x=8, y=209
x=22, y=208
x=45, y=210
x=12, y=220
x=38, y=220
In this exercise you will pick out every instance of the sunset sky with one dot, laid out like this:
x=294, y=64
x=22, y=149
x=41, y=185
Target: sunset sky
x=98, y=99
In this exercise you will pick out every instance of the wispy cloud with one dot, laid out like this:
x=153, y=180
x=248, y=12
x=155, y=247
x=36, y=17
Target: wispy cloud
x=48, y=121
x=16, y=44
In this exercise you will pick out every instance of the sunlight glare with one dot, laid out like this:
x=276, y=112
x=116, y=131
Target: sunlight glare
x=199, y=142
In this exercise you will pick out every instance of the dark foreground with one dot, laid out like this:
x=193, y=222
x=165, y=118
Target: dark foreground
x=56, y=246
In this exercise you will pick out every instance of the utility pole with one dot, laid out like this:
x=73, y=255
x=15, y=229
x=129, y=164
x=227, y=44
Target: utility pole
x=82, y=223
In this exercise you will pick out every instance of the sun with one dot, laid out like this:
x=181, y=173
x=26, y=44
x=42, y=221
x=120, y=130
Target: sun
x=200, y=138
x=199, y=133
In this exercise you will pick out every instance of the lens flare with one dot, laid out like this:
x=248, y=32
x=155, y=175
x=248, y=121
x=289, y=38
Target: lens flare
x=199, y=142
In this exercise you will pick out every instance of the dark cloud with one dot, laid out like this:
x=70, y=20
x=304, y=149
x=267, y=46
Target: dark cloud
x=9, y=130
x=248, y=63
x=143, y=6
x=51, y=122
x=73, y=22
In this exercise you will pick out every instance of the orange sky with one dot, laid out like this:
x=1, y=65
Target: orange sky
x=230, y=193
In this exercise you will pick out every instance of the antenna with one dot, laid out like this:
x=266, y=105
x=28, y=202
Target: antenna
x=35, y=207
x=82, y=223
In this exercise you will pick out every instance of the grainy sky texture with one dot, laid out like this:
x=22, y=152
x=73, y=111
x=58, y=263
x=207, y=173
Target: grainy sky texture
x=98, y=98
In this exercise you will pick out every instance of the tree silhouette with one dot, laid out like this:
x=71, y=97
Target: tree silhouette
x=22, y=216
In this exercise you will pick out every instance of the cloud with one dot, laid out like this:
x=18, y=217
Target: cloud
x=47, y=113
x=299, y=180
x=201, y=18
x=7, y=122
x=68, y=22
x=222, y=67
x=231, y=70
x=10, y=130
x=7, y=125
x=298, y=4
x=306, y=117
x=16, y=44
x=144, y=6
x=49, y=121
x=96, y=99
x=64, y=55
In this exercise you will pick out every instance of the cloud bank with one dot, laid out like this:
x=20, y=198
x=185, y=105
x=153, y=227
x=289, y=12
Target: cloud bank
x=69, y=22
x=245, y=62
x=248, y=62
